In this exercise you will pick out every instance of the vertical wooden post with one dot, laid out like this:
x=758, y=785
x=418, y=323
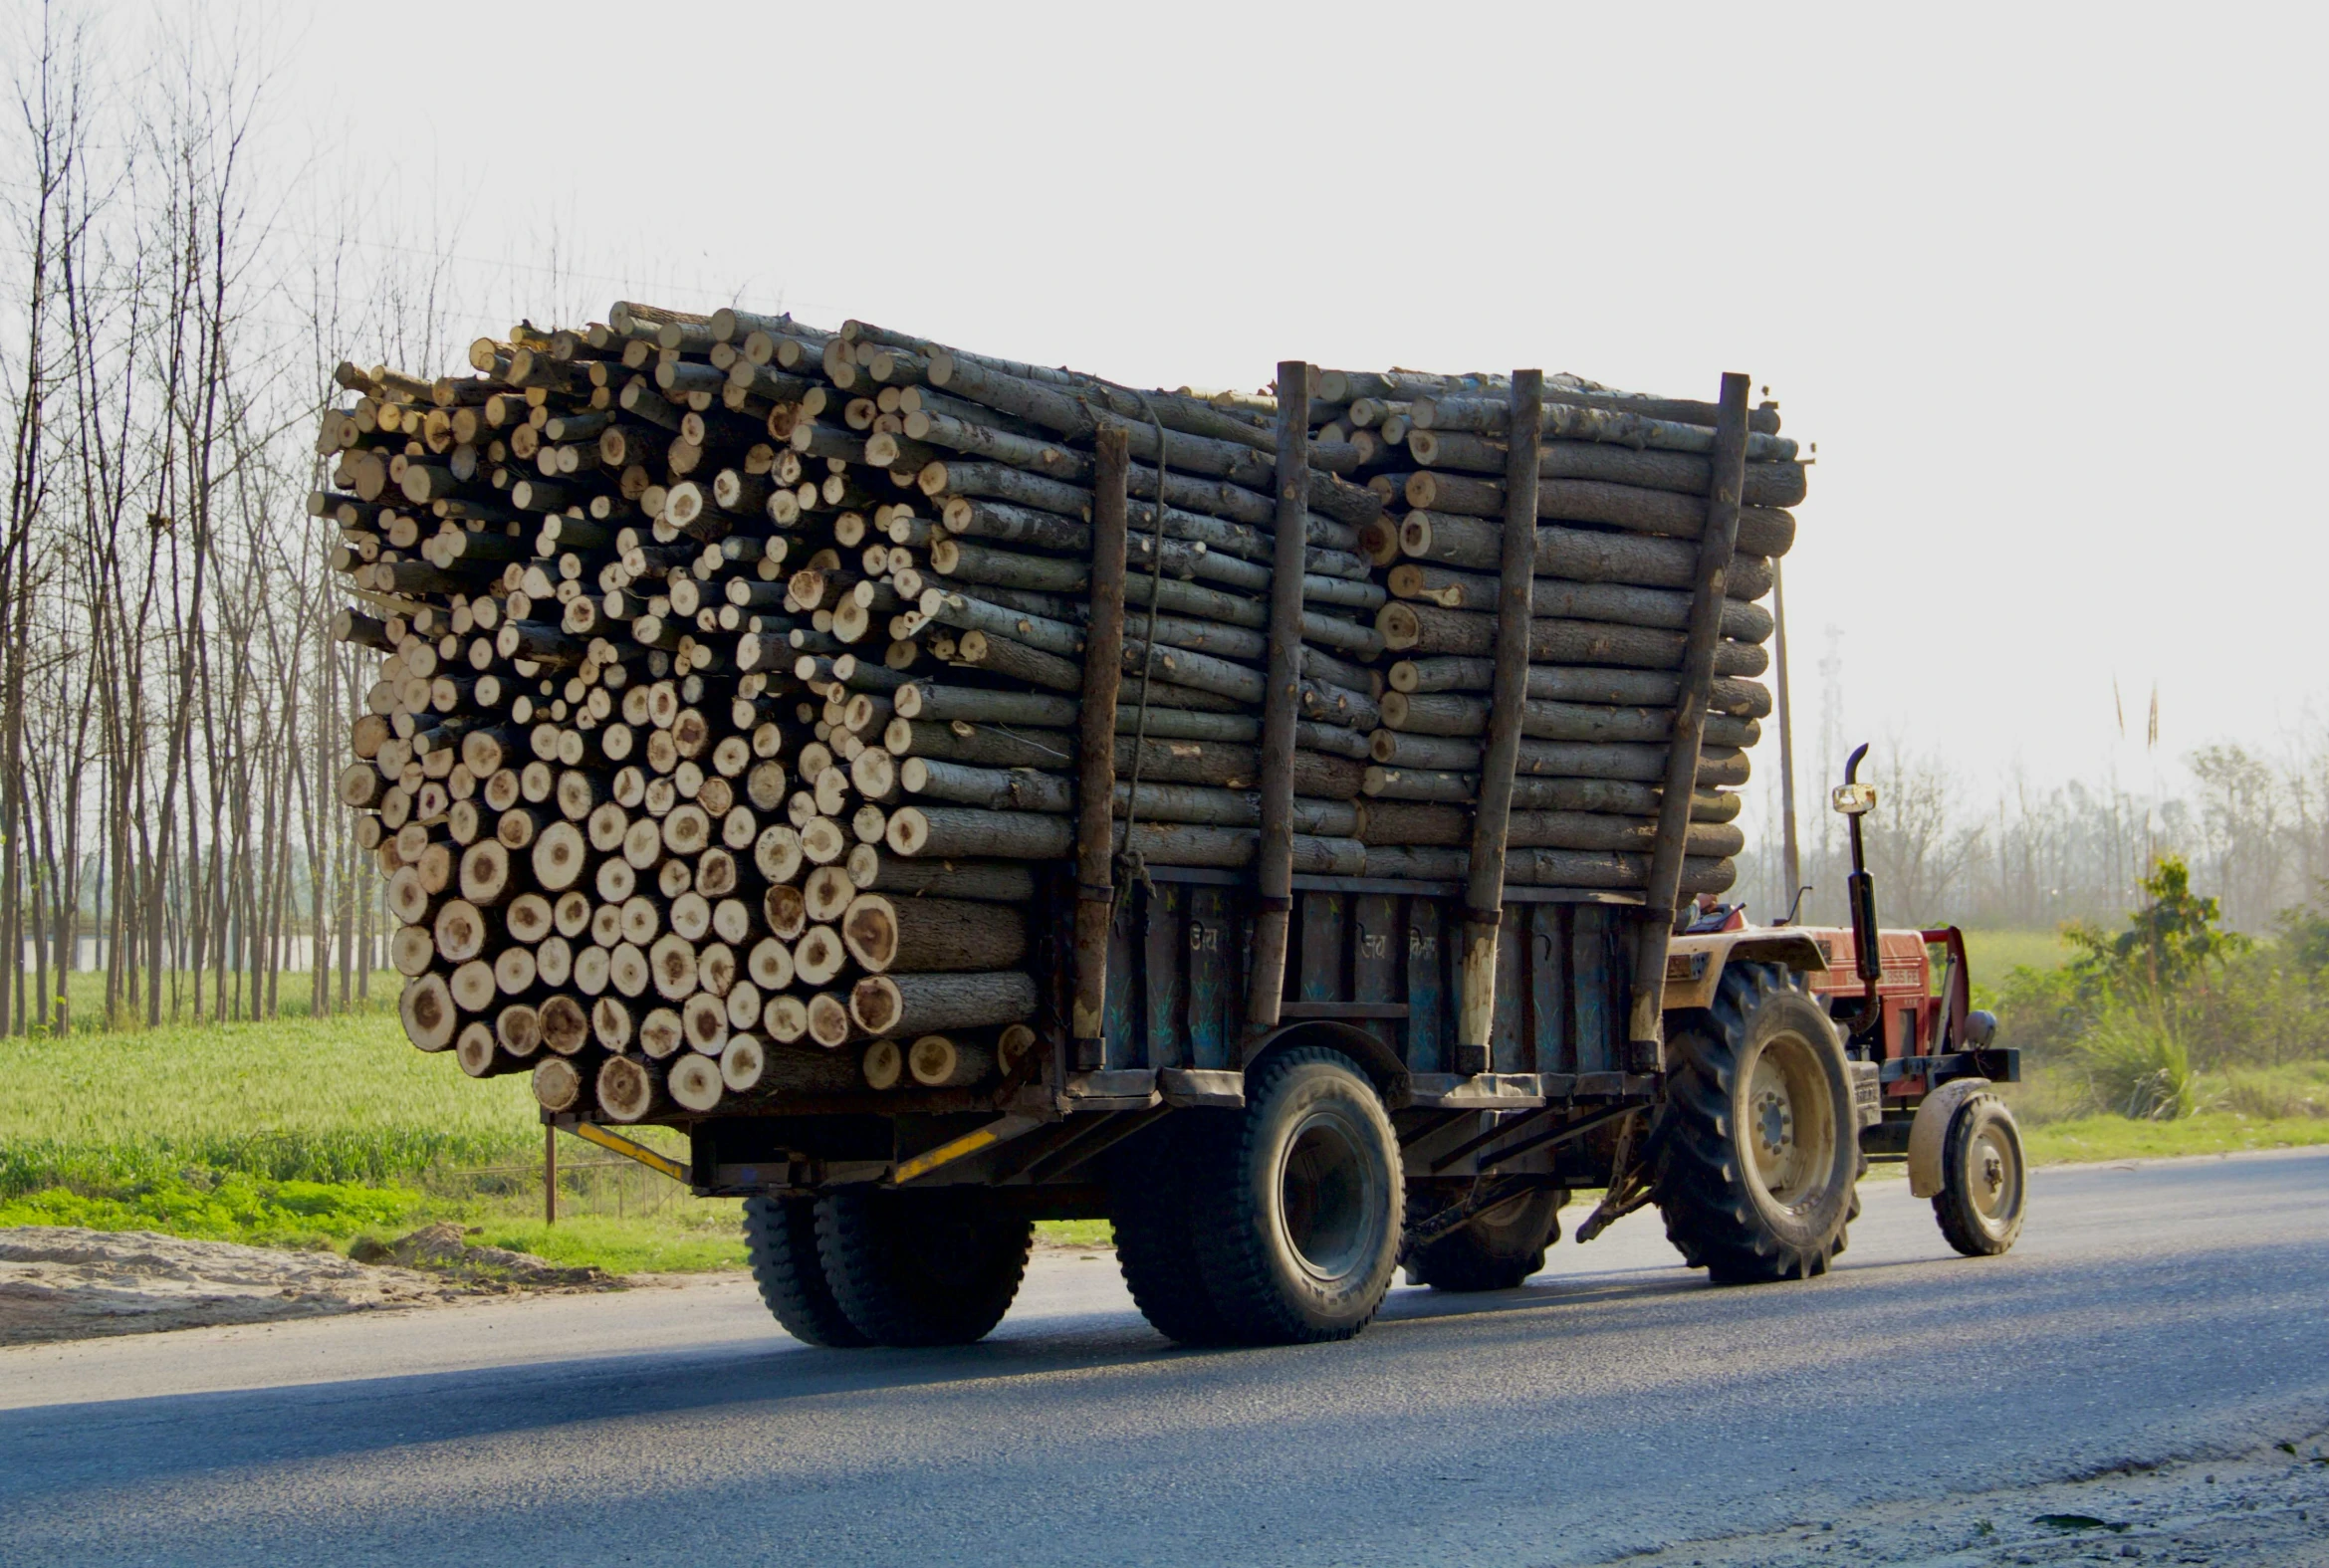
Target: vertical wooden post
x=1275, y=858
x=1095, y=775
x=1716, y=546
x=548, y=1174
x=1790, y=855
x=1484, y=891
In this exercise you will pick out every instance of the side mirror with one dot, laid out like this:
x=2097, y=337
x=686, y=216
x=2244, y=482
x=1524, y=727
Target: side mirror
x=1853, y=800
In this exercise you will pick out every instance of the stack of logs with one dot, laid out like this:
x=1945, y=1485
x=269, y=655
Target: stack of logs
x=731, y=673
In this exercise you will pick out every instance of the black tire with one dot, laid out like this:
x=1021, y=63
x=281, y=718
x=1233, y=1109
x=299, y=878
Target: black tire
x=1492, y=1250
x=1151, y=1207
x=1755, y=1154
x=780, y=1239
x=921, y=1269
x=1985, y=1180
x=1301, y=1203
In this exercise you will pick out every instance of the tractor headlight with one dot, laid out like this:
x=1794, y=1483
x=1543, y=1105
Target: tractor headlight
x=1981, y=1027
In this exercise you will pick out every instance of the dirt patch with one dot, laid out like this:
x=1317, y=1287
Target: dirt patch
x=2269, y=1508
x=59, y=1282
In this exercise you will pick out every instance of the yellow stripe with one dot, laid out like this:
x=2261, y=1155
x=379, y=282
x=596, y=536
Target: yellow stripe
x=592, y=1132
x=948, y=1153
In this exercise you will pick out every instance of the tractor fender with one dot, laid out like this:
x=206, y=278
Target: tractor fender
x=1694, y=964
x=1930, y=1132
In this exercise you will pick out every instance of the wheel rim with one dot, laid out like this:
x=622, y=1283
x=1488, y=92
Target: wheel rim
x=1994, y=1175
x=1330, y=1198
x=1790, y=1127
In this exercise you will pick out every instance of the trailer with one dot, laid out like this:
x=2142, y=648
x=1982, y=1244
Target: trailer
x=1282, y=1087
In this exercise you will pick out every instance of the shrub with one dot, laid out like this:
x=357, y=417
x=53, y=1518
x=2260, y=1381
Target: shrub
x=2138, y=1066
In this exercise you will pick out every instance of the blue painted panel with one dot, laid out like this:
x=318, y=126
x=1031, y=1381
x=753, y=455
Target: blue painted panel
x=1211, y=976
x=1549, y=998
x=1163, y=981
x=1426, y=987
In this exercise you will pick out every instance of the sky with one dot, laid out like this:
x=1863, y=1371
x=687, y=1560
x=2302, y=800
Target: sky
x=2042, y=282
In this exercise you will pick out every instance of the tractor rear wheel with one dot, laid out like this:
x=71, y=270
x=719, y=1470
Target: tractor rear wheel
x=779, y=1239
x=1984, y=1181
x=1756, y=1153
x=1298, y=1203
x=1496, y=1249
x=921, y=1269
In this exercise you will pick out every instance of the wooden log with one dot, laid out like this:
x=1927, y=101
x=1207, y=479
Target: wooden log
x=1417, y=823
x=1428, y=629
x=1583, y=868
x=939, y=703
x=1574, y=553
x=999, y=655
x=913, y=1004
x=630, y=1088
x=425, y=1008
x=1663, y=609
x=1461, y=714
x=882, y=1062
x=1771, y=484
x=995, y=789
x=931, y=934
x=950, y=831
x=938, y=1061
x=558, y=1084
x=1573, y=421
x=991, y=881
x=1235, y=766
x=694, y=1083
x=819, y=956
x=987, y=745
x=1741, y=699
x=566, y=1028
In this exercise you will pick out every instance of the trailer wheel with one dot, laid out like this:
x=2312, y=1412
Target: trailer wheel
x=1755, y=1158
x=1495, y=1249
x=921, y=1269
x=1984, y=1181
x=1149, y=1202
x=1300, y=1203
x=780, y=1239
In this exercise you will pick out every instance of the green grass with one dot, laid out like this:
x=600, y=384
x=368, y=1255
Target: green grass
x=2095, y=1138
x=1994, y=955
x=85, y=992
x=298, y=1099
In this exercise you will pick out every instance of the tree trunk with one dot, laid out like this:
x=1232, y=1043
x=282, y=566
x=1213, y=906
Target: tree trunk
x=932, y=934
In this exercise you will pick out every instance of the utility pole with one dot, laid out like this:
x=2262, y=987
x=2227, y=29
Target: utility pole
x=1791, y=854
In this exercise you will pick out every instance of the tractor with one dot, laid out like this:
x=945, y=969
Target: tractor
x=1923, y=1060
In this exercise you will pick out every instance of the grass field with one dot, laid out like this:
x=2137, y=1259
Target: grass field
x=85, y=993
x=1994, y=955
x=318, y=1132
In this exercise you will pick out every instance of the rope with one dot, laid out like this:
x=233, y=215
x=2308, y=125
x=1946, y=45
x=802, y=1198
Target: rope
x=1132, y=864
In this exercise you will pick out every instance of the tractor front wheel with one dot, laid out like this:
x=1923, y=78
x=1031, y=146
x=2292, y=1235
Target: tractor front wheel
x=1984, y=1181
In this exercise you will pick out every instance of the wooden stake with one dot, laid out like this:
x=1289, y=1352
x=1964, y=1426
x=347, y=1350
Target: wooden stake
x=1095, y=891
x=1484, y=886
x=1716, y=546
x=1274, y=859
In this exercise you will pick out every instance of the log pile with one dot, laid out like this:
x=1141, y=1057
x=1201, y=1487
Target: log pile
x=731, y=675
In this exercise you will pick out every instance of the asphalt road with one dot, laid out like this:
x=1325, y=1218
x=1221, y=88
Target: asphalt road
x=1616, y=1403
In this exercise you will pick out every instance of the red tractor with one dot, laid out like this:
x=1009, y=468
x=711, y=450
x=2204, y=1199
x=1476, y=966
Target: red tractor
x=1922, y=1058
